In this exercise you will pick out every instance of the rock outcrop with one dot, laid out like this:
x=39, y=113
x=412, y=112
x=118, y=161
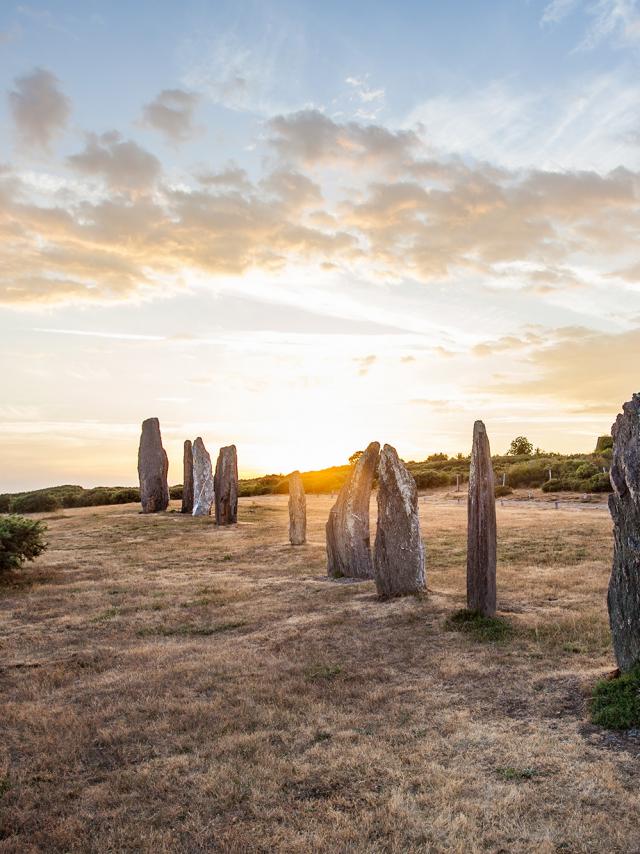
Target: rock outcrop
x=153, y=466
x=481, y=527
x=624, y=504
x=297, y=510
x=398, y=553
x=202, y=480
x=226, y=486
x=187, y=478
x=348, y=542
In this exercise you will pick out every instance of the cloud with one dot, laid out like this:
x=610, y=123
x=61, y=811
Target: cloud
x=171, y=113
x=617, y=20
x=123, y=165
x=230, y=177
x=310, y=137
x=39, y=109
x=595, y=369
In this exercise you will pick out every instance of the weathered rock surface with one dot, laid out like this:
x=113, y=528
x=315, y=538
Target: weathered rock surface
x=226, y=486
x=187, y=477
x=624, y=504
x=348, y=542
x=153, y=466
x=297, y=510
x=398, y=553
x=202, y=480
x=481, y=527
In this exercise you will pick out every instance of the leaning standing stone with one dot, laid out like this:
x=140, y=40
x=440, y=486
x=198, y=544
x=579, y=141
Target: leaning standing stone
x=153, y=466
x=187, y=478
x=624, y=504
x=202, y=480
x=481, y=527
x=226, y=486
x=297, y=510
x=398, y=553
x=348, y=545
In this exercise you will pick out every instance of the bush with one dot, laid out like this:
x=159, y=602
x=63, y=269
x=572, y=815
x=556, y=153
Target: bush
x=604, y=443
x=586, y=470
x=428, y=479
x=532, y=473
x=616, y=702
x=5, y=501
x=20, y=540
x=34, y=502
x=599, y=483
x=175, y=492
x=503, y=490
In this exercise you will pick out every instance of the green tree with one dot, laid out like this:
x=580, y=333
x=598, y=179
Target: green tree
x=520, y=446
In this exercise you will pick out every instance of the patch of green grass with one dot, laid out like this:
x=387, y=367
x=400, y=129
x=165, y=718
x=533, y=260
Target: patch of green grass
x=227, y=557
x=616, y=702
x=109, y=614
x=488, y=629
x=319, y=672
x=186, y=630
x=516, y=775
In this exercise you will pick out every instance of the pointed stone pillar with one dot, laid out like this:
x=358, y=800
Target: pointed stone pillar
x=187, y=477
x=624, y=504
x=226, y=486
x=202, y=480
x=398, y=553
x=348, y=544
x=481, y=527
x=297, y=510
x=153, y=466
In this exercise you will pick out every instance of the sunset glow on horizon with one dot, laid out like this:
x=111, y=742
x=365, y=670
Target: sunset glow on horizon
x=299, y=228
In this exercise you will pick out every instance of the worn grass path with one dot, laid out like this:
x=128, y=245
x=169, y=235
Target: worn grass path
x=169, y=686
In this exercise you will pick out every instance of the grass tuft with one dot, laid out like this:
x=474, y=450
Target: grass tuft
x=516, y=775
x=488, y=629
x=319, y=672
x=616, y=702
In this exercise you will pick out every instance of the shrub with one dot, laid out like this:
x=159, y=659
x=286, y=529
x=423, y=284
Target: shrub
x=616, y=702
x=503, y=490
x=20, y=540
x=599, y=483
x=604, y=443
x=531, y=473
x=427, y=479
x=34, y=502
x=586, y=470
x=175, y=492
x=5, y=500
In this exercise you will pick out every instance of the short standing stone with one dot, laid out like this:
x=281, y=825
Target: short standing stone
x=202, y=480
x=624, y=504
x=348, y=543
x=226, y=486
x=153, y=466
x=297, y=510
x=398, y=553
x=481, y=527
x=187, y=478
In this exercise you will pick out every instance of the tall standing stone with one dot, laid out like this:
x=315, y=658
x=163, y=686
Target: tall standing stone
x=398, y=553
x=226, y=486
x=153, y=466
x=624, y=504
x=481, y=527
x=202, y=480
x=297, y=510
x=348, y=544
x=187, y=477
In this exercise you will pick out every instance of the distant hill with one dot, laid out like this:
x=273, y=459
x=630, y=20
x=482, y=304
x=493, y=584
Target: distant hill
x=572, y=472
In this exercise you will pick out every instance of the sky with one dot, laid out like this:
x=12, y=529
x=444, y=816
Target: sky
x=300, y=227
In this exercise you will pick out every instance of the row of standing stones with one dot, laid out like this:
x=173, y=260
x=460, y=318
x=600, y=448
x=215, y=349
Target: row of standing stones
x=201, y=487
x=398, y=562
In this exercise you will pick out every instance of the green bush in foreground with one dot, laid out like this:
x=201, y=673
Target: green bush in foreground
x=616, y=702
x=20, y=540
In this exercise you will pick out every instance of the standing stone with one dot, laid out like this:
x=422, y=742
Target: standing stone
x=348, y=544
x=226, y=486
x=187, y=477
x=297, y=510
x=202, y=480
x=153, y=466
x=624, y=504
x=398, y=553
x=481, y=527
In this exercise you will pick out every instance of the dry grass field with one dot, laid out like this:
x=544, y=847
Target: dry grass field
x=168, y=686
